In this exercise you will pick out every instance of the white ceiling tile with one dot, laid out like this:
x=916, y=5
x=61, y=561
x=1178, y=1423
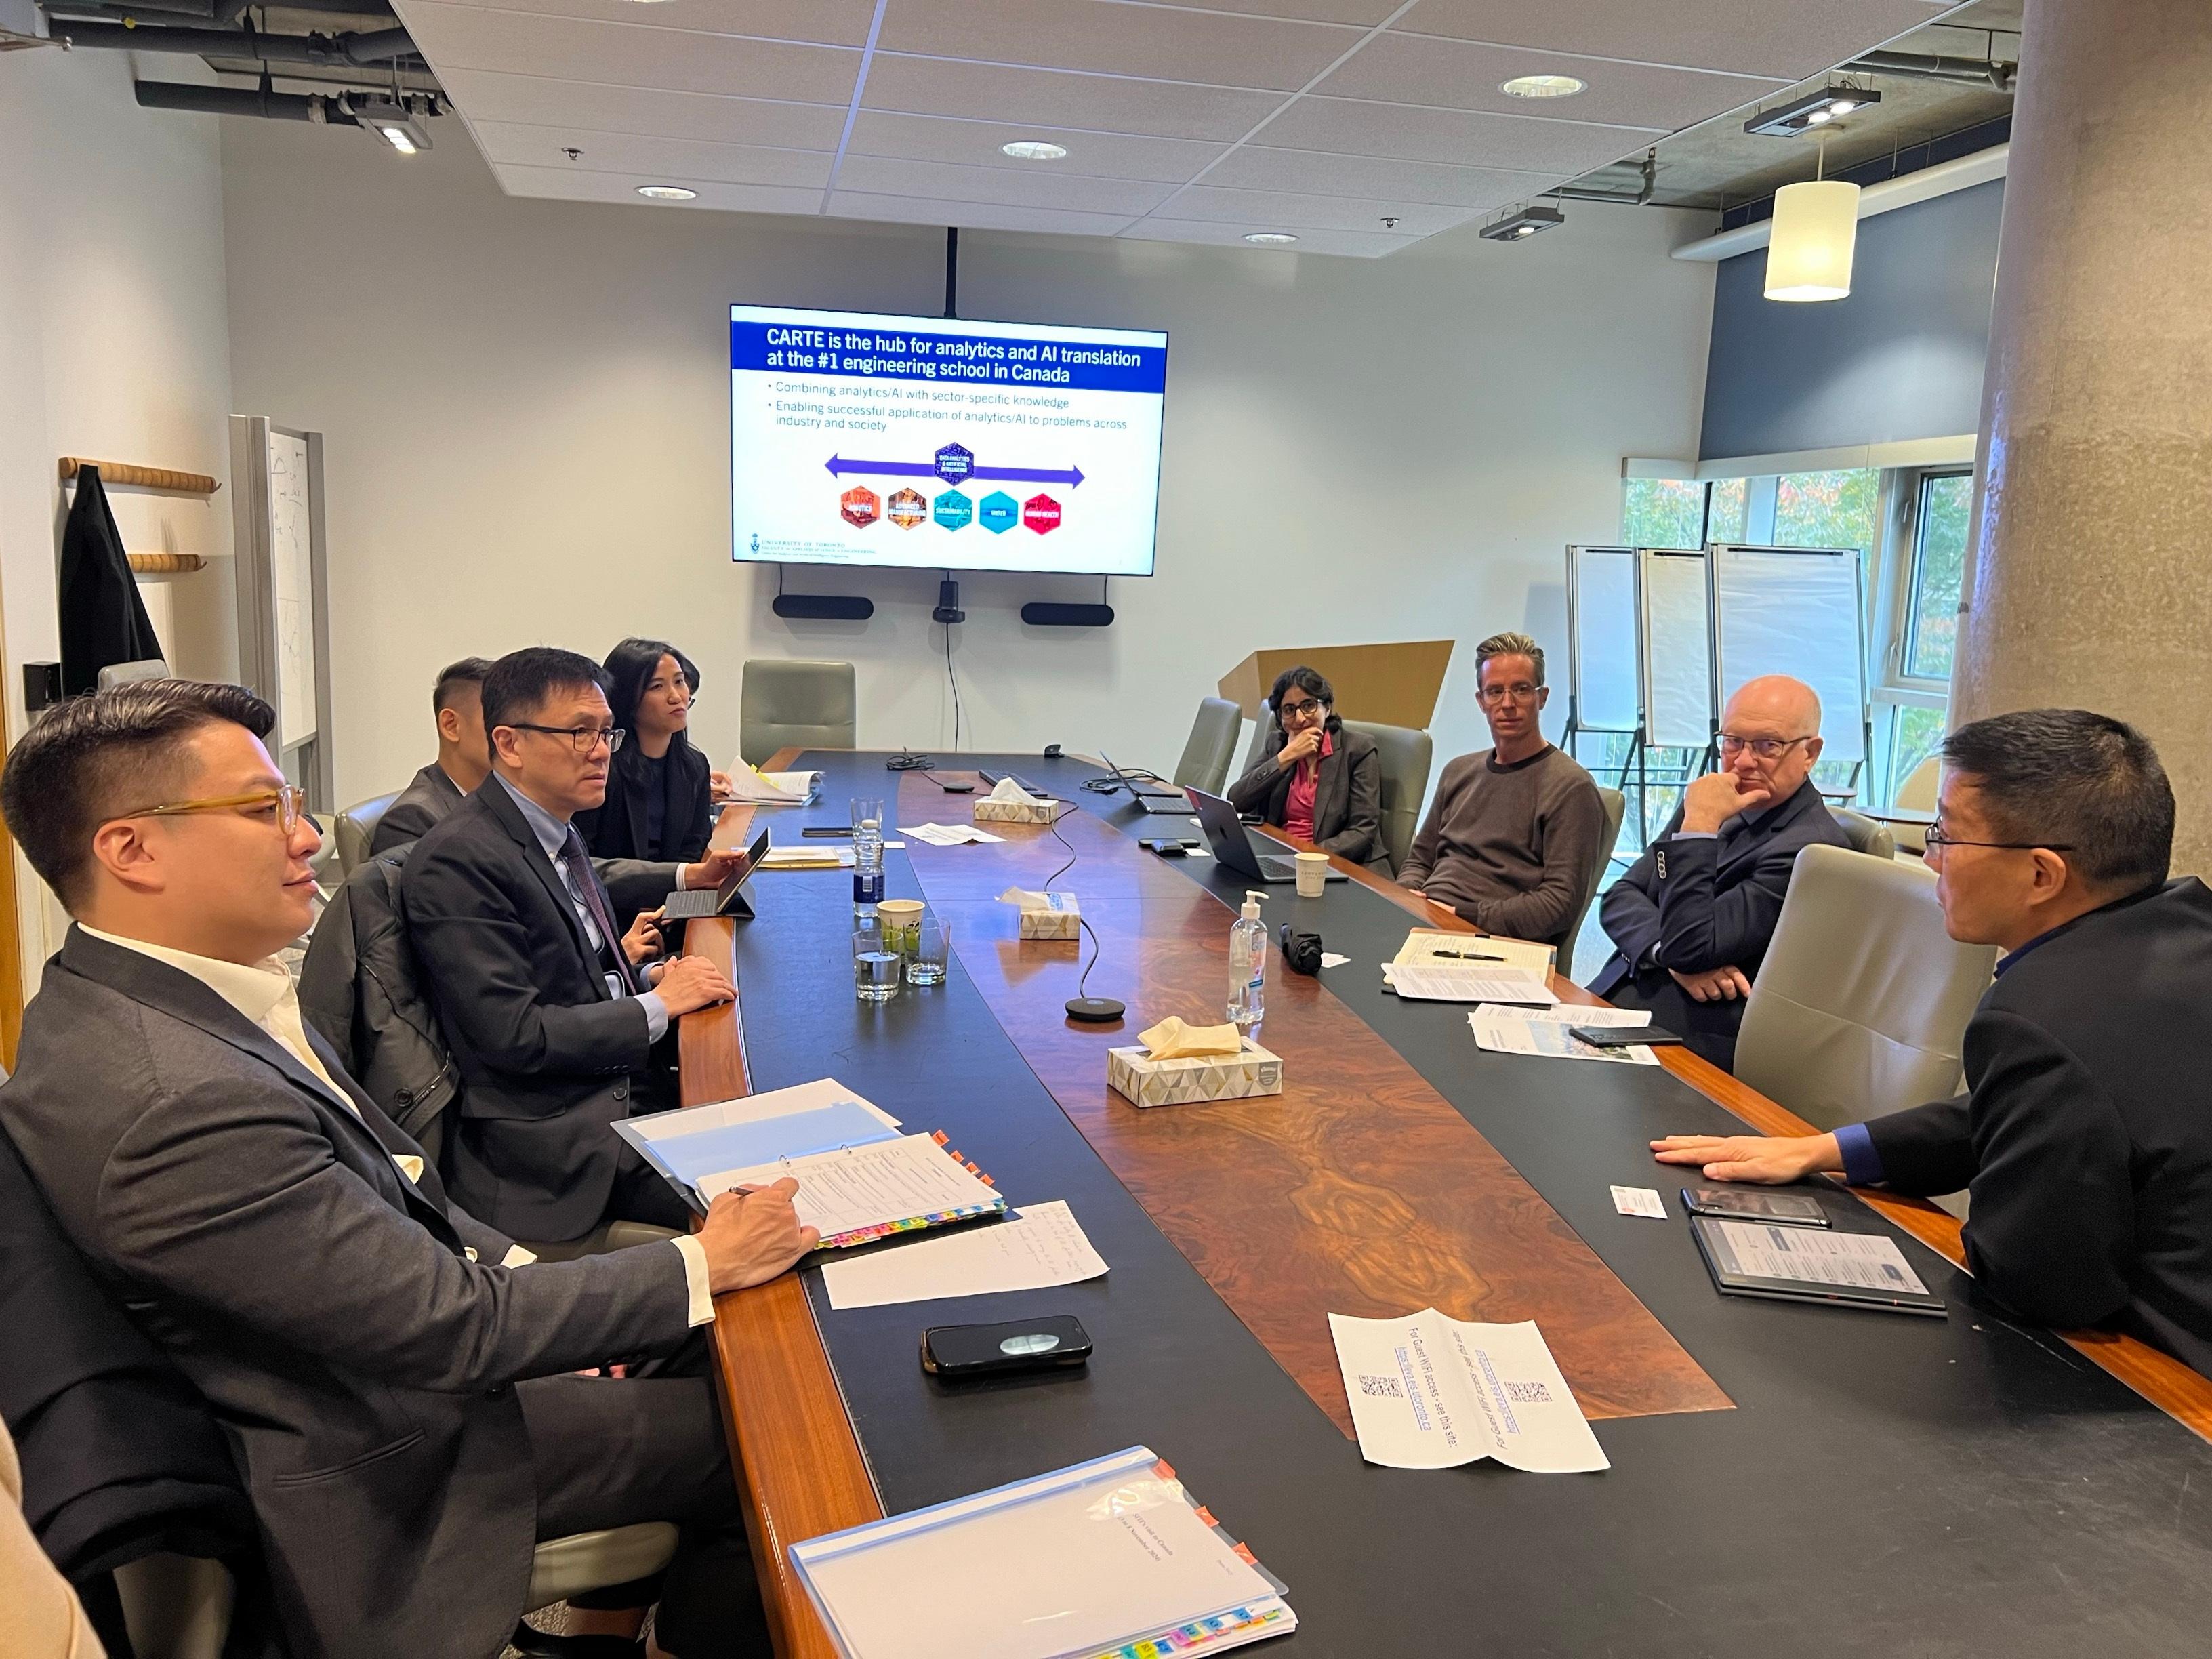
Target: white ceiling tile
x=1468, y=137
x=1263, y=209
x=483, y=95
x=1365, y=13
x=674, y=159
x=889, y=176
x=824, y=22
x=617, y=54
x=1302, y=172
x=1100, y=155
x=977, y=216
x=1310, y=241
x=1108, y=37
x=1106, y=103
x=569, y=185
x=1787, y=39
x=1406, y=69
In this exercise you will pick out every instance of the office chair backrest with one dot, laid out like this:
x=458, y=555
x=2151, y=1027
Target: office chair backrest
x=1616, y=809
x=1861, y=1006
x=357, y=829
x=790, y=704
x=1205, y=762
x=1866, y=834
x=1256, y=750
x=1404, y=756
x=128, y=673
x=1917, y=793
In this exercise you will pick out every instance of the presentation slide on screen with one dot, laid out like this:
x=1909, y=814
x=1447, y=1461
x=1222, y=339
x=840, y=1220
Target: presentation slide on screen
x=942, y=444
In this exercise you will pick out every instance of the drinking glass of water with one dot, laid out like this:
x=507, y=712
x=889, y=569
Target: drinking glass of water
x=932, y=949
x=876, y=963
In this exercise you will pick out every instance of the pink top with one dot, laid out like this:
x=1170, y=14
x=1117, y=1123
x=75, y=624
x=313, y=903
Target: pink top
x=1299, y=811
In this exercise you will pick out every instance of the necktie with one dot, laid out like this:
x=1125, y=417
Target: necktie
x=586, y=882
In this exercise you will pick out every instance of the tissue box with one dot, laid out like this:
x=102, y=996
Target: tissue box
x=1144, y=1081
x=1014, y=812
x=1060, y=918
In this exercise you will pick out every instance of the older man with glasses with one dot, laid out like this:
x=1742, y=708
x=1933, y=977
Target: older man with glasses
x=1692, y=919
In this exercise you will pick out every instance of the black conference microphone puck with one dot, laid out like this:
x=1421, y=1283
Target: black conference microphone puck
x=1097, y=1011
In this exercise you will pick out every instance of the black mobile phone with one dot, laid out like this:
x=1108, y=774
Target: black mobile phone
x=1746, y=1204
x=1168, y=847
x=1622, y=1037
x=826, y=832
x=1020, y=1345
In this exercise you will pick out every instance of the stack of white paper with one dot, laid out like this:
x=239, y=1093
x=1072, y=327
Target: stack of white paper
x=1432, y=1393
x=1544, y=1031
x=1430, y=943
x=1471, y=982
x=759, y=788
x=1042, y=1246
x=858, y=1193
x=948, y=834
x=1098, y=1560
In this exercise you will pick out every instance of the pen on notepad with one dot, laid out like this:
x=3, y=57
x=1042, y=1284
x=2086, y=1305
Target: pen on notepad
x=1469, y=955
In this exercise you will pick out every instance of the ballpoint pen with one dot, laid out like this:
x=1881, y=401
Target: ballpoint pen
x=1469, y=955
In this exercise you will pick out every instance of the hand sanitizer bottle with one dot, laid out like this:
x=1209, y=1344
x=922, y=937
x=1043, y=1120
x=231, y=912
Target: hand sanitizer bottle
x=1247, y=966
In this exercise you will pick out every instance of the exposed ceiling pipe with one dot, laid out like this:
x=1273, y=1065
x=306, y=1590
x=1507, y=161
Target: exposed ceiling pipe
x=379, y=47
x=1916, y=66
x=235, y=101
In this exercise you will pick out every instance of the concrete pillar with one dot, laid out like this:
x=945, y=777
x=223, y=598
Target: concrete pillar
x=2090, y=584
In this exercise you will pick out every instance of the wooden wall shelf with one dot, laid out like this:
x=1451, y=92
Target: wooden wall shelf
x=144, y=477
x=165, y=564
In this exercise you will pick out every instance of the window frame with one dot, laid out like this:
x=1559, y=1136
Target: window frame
x=1897, y=599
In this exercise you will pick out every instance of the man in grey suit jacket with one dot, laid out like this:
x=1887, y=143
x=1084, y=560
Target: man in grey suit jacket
x=392, y=1373
x=463, y=758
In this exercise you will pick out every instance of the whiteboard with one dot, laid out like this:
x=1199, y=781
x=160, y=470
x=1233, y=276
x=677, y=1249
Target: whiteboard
x=1604, y=644
x=1680, y=709
x=1795, y=611
x=292, y=572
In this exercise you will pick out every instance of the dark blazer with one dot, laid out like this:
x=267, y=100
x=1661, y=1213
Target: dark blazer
x=617, y=830
x=424, y=803
x=347, y=1327
x=1347, y=795
x=103, y=620
x=2083, y=1137
x=1705, y=904
x=547, y=1057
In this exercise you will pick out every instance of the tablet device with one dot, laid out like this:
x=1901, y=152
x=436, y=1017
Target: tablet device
x=725, y=900
x=1807, y=1264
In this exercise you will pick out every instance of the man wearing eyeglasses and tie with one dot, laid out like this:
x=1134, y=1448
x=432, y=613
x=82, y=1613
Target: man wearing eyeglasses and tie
x=551, y=1011
x=1692, y=919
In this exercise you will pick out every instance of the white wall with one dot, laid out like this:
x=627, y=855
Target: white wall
x=114, y=344
x=526, y=404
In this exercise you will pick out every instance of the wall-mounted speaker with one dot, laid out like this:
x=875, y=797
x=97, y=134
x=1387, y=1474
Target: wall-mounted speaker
x=823, y=607
x=1040, y=614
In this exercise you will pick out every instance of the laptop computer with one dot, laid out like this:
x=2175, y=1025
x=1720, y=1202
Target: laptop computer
x=724, y=900
x=1233, y=848
x=1150, y=793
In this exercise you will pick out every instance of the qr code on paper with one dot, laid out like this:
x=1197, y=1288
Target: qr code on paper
x=1528, y=1394
x=1382, y=1388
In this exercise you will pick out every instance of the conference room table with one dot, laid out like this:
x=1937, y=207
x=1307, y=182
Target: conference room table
x=1786, y=1478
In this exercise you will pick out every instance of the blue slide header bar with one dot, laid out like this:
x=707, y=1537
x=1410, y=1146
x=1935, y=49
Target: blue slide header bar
x=1044, y=360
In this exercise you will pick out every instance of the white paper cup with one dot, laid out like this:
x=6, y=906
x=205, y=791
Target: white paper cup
x=1313, y=874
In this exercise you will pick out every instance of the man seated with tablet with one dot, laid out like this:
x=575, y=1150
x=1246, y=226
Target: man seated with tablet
x=2083, y=1141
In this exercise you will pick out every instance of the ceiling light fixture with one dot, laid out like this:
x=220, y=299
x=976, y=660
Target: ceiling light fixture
x=666, y=193
x=1816, y=231
x=406, y=127
x=1526, y=223
x=1034, y=150
x=1542, y=86
x=1269, y=238
x=1813, y=109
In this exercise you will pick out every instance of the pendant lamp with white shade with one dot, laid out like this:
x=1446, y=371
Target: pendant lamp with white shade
x=1816, y=227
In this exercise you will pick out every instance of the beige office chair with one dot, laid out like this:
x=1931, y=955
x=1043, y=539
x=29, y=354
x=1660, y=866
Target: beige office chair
x=130, y=673
x=1205, y=762
x=789, y=704
x=357, y=829
x=1616, y=809
x=1404, y=756
x=1861, y=1006
x=1866, y=834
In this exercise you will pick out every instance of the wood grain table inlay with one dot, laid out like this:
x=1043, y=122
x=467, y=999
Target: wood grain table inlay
x=1358, y=1190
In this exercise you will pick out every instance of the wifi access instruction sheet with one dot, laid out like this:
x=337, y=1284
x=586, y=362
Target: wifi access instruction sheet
x=1429, y=1392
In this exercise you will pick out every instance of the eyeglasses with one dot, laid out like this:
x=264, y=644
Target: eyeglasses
x=1298, y=711
x=1937, y=837
x=1766, y=749
x=1520, y=691
x=585, y=739
x=285, y=803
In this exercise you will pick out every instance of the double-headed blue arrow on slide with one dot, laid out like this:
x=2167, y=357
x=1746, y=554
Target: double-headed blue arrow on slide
x=1072, y=476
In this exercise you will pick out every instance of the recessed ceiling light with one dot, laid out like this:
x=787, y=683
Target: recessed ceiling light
x=1268, y=238
x=1033, y=150
x=666, y=192
x=1543, y=85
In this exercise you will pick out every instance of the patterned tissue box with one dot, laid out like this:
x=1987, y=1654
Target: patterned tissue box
x=1014, y=812
x=1144, y=1081
x=1058, y=917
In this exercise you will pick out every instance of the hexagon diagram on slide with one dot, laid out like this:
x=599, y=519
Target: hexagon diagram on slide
x=861, y=507
x=1041, y=513
x=998, y=512
x=952, y=510
x=955, y=463
x=908, y=508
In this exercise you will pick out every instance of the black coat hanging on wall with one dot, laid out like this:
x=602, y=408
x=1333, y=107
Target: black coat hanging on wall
x=103, y=620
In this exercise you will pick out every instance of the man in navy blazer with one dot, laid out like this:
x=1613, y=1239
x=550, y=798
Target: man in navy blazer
x=1692, y=919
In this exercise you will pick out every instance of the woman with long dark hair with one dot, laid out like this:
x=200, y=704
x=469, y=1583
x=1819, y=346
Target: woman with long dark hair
x=1317, y=782
x=660, y=799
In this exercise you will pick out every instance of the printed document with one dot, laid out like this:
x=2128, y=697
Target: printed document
x=1544, y=1031
x=1428, y=1392
x=1044, y=1245
x=1813, y=1255
x=1472, y=982
x=772, y=788
x=855, y=1193
x=948, y=834
x=691, y=1145
x=1432, y=943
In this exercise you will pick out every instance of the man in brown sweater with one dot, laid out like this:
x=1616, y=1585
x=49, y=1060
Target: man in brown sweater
x=1511, y=840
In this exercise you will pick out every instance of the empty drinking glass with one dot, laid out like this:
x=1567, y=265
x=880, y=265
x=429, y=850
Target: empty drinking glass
x=932, y=947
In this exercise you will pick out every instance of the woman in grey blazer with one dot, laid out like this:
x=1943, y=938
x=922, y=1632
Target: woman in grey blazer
x=1317, y=780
